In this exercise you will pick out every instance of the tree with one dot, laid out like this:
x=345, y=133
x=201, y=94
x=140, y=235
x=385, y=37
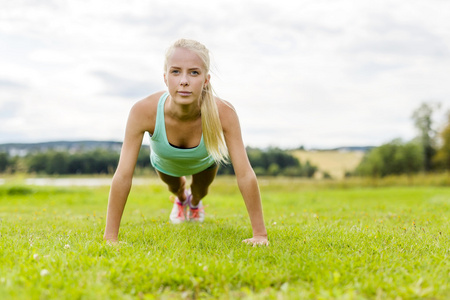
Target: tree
x=422, y=117
x=37, y=162
x=393, y=158
x=4, y=160
x=57, y=163
x=274, y=169
x=442, y=158
x=410, y=158
x=309, y=169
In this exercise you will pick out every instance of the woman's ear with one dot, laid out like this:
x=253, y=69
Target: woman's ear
x=165, y=79
x=208, y=78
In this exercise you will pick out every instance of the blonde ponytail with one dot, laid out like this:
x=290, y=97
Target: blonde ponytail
x=211, y=126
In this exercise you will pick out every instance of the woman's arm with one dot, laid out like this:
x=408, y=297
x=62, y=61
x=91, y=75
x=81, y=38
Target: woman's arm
x=121, y=182
x=246, y=178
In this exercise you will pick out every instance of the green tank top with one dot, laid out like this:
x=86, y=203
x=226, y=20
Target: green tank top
x=171, y=160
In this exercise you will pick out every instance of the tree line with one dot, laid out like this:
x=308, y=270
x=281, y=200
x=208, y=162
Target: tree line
x=274, y=162
x=53, y=162
x=270, y=162
x=428, y=152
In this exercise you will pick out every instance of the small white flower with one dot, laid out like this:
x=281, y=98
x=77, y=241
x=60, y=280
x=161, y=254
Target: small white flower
x=205, y=268
x=274, y=223
x=44, y=272
x=36, y=256
x=67, y=246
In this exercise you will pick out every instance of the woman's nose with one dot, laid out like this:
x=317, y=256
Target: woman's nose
x=184, y=81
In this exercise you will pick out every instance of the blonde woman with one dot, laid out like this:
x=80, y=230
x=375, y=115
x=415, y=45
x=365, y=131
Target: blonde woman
x=191, y=133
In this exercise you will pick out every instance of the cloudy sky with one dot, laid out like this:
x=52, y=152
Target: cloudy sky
x=318, y=73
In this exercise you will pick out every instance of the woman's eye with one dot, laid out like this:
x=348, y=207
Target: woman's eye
x=175, y=72
x=195, y=73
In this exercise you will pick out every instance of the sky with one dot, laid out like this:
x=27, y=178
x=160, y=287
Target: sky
x=316, y=73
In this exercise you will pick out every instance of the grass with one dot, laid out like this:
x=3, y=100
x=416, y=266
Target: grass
x=326, y=243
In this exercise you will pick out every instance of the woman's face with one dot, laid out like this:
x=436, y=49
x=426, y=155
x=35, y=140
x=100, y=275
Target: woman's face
x=185, y=76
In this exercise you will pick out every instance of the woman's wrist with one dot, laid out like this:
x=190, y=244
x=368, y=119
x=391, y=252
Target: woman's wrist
x=262, y=233
x=109, y=237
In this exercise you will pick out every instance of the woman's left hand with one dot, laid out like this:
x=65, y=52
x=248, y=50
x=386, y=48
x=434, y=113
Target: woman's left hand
x=257, y=240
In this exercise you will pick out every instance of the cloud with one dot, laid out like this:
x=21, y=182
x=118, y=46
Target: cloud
x=124, y=87
x=9, y=109
x=402, y=41
x=51, y=56
x=304, y=72
x=10, y=84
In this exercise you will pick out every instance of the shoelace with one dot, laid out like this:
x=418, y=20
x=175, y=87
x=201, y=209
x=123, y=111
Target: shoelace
x=180, y=210
x=180, y=206
x=195, y=213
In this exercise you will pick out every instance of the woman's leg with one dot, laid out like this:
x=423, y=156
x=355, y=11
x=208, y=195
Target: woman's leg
x=176, y=185
x=200, y=184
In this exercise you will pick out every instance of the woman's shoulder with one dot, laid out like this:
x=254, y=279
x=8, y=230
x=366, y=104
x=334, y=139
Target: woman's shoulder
x=224, y=106
x=227, y=113
x=148, y=105
x=143, y=113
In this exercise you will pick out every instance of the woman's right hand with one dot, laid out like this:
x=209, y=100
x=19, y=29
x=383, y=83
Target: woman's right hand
x=257, y=241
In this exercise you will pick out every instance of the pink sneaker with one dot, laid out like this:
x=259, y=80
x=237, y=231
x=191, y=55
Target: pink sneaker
x=196, y=214
x=179, y=210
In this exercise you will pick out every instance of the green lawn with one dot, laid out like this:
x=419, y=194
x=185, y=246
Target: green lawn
x=326, y=243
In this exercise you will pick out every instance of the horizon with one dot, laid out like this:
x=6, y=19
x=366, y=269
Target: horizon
x=300, y=147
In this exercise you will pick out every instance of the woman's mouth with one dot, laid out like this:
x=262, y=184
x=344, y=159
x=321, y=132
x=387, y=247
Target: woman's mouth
x=184, y=93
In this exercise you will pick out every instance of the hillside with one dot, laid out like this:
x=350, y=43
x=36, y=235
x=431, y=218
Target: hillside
x=334, y=162
x=22, y=149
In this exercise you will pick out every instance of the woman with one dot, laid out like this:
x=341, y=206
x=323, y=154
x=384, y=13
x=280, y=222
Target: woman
x=192, y=132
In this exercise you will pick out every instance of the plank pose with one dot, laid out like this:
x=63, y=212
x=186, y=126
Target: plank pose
x=191, y=133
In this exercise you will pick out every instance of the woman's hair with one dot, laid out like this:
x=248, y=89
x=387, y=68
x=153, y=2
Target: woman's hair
x=211, y=126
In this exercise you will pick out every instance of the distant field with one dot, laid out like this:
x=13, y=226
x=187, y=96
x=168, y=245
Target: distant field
x=335, y=163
